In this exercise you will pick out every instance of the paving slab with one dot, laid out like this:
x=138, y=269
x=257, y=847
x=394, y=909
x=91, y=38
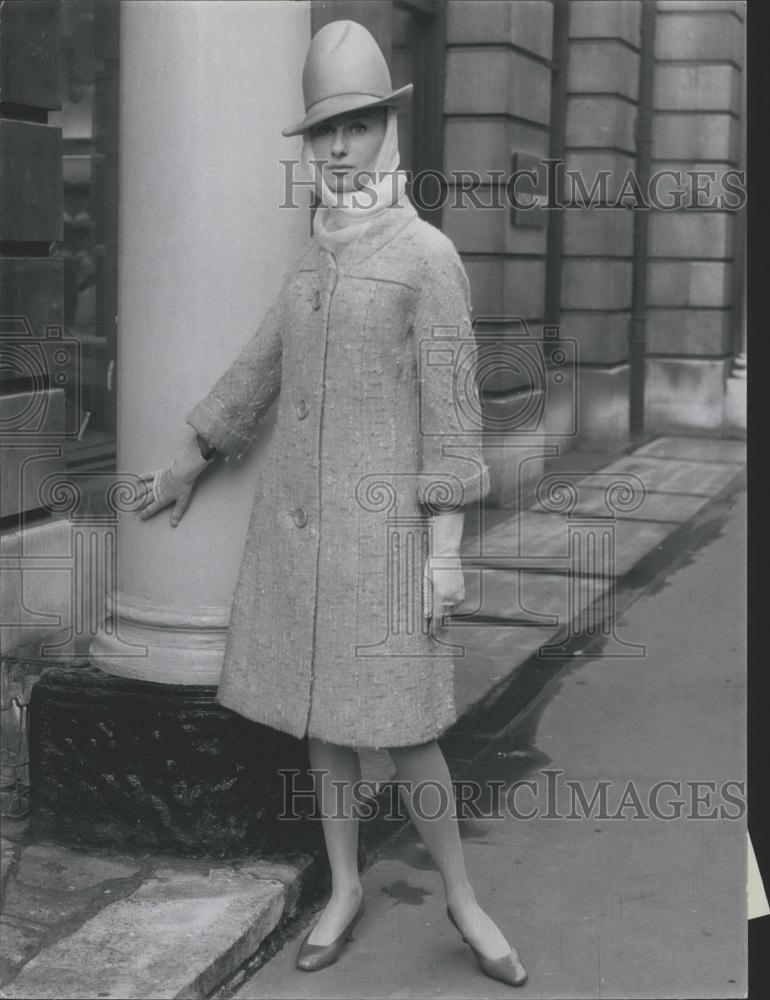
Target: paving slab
x=695, y=449
x=490, y=654
x=598, y=905
x=545, y=539
x=663, y=507
x=668, y=476
x=179, y=935
x=529, y=597
x=51, y=866
x=20, y=942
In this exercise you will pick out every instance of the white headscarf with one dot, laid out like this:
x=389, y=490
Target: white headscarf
x=343, y=216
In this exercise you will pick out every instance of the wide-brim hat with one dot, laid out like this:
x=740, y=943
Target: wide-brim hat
x=345, y=70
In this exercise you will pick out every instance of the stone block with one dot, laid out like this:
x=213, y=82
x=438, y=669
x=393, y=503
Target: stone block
x=598, y=19
x=680, y=136
x=603, y=407
x=699, y=34
x=602, y=337
x=488, y=229
x=138, y=765
x=475, y=230
x=476, y=83
x=602, y=122
x=531, y=26
x=516, y=415
x=689, y=331
x=30, y=198
x=602, y=174
x=505, y=368
x=36, y=582
x=684, y=394
x=483, y=145
x=690, y=234
x=602, y=66
x=30, y=54
x=595, y=284
x=734, y=422
x=527, y=23
x=524, y=288
x=514, y=468
x=496, y=81
x=606, y=232
x=709, y=87
x=675, y=185
x=486, y=281
x=736, y=7
x=689, y=283
x=179, y=934
x=525, y=239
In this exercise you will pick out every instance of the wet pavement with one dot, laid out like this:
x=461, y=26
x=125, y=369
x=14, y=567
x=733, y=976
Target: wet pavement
x=641, y=682
x=613, y=899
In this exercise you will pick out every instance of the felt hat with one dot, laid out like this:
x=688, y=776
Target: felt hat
x=345, y=70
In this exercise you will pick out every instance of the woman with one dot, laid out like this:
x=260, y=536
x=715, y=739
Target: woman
x=361, y=492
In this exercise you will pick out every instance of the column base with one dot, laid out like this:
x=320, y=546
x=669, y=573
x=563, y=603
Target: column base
x=142, y=766
x=165, y=645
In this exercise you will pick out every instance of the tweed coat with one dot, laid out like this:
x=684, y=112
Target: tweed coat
x=370, y=354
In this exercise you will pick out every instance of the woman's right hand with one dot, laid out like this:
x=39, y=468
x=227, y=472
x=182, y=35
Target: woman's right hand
x=174, y=484
x=161, y=489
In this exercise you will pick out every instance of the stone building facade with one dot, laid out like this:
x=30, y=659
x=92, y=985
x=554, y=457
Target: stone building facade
x=651, y=311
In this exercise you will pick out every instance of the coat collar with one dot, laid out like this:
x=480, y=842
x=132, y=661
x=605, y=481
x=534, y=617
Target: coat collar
x=382, y=230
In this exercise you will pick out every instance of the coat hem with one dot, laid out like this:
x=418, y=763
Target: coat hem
x=236, y=705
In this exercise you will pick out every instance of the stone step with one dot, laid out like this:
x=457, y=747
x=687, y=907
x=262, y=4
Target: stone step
x=182, y=932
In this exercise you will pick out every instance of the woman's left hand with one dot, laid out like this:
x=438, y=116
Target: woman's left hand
x=444, y=587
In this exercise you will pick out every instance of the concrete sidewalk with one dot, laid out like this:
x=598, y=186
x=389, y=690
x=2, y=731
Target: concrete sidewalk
x=90, y=924
x=634, y=896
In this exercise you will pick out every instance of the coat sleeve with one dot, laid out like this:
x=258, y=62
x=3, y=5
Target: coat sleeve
x=228, y=416
x=453, y=472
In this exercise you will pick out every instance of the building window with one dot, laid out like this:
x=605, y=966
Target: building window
x=89, y=122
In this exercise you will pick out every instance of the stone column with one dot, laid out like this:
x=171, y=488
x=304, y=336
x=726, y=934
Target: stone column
x=205, y=89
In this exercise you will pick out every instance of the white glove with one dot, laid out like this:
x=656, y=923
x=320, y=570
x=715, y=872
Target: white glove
x=443, y=582
x=174, y=484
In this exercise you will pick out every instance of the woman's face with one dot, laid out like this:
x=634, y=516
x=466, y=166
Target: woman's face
x=348, y=143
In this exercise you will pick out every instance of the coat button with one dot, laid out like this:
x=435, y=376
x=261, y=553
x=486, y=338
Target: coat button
x=300, y=517
x=303, y=408
x=316, y=299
